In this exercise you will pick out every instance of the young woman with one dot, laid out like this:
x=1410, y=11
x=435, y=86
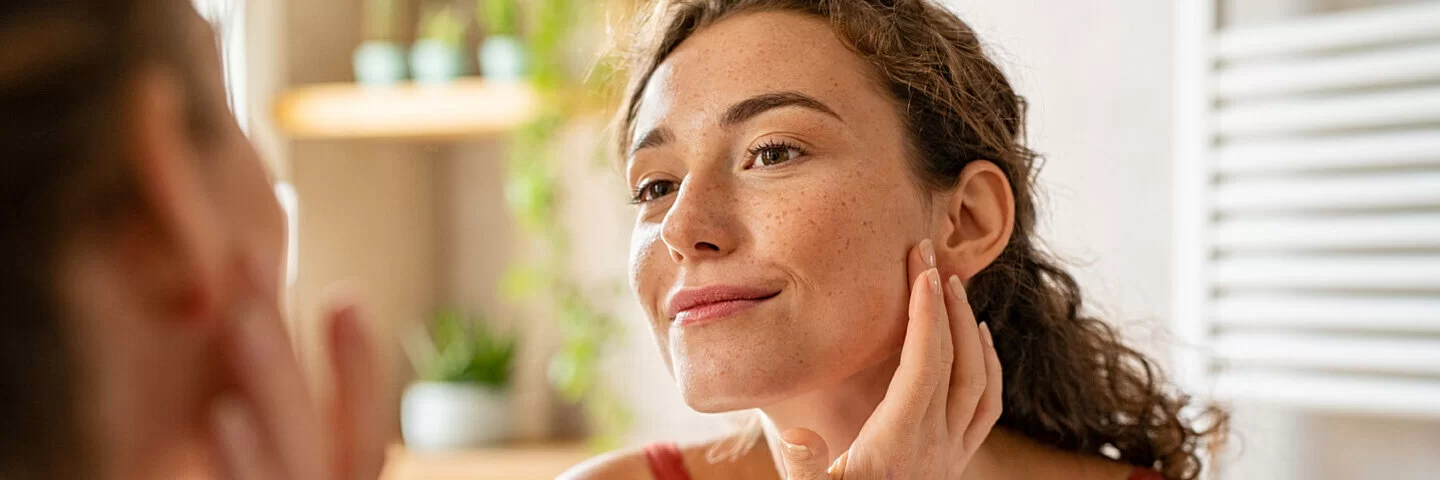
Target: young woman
x=808, y=174
x=142, y=248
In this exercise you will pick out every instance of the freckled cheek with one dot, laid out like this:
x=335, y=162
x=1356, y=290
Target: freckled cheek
x=837, y=244
x=651, y=270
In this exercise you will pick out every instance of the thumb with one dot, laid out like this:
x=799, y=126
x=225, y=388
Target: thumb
x=806, y=456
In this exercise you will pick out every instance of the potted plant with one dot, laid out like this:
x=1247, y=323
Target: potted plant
x=380, y=60
x=435, y=57
x=501, y=55
x=461, y=398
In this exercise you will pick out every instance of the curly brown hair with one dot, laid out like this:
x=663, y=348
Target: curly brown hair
x=1070, y=381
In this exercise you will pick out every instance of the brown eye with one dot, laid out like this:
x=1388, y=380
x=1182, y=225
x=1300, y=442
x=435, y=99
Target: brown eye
x=653, y=191
x=775, y=155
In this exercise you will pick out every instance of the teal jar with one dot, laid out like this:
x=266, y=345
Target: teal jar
x=435, y=62
x=379, y=63
x=502, y=58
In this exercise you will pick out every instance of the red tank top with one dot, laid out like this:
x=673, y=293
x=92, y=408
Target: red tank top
x=668, y=463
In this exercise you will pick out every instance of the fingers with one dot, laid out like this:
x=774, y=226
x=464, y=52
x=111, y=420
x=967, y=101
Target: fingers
x=923, y=368
x=269, y=379
x=241, y=453
x=920, y=259
x=360, y=451
x=991, y=403
x=968, y=376
x=806, y=455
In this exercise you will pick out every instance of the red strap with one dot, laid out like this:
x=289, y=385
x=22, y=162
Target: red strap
x=1145, y=474
x=666, y=461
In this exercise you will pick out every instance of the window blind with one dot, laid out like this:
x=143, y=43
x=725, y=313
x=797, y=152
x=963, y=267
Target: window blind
x=1308, y=197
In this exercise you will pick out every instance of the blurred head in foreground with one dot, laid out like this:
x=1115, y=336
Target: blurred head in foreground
x=132, y=200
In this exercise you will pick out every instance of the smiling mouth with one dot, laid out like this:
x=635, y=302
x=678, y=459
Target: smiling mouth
x=696, y=306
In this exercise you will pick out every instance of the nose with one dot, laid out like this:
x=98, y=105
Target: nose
x=700, y=224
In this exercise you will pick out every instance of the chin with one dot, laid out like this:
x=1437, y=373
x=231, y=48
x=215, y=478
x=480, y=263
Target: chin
x=739, y=386
x=757, y=361
x=718, y=399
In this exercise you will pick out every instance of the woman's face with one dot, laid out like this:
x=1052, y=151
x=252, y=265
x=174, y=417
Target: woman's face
x=776, y=208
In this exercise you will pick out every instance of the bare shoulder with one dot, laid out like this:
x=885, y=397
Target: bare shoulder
x=628, y=464
x=1097, y=468
x=1039, y=460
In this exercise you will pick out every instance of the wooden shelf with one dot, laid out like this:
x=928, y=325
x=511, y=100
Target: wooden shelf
x=514, y=462
x=464, y=108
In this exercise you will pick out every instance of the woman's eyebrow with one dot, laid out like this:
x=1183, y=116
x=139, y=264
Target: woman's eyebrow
x=756, y=105
x=740, y=112
x=658, y=137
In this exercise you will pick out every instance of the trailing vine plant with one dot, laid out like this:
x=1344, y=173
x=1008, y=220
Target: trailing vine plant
x=533, y=196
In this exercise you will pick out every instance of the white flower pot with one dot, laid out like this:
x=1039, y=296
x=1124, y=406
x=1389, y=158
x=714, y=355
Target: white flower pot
x=379, y=63
x=449, y=416
x=435, y=62
x=502, y=58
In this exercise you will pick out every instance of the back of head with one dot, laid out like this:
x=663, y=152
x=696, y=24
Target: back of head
x=64, y=72
x=1070, y=381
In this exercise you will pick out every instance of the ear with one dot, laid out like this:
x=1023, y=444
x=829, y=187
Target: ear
x=978, y=218
x=182, y=228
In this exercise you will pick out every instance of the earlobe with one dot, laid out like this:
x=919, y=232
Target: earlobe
x=979, y=217
x=180, y=216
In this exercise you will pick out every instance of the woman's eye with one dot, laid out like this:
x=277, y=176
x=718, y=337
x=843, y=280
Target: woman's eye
x=653, y=190
x=775, y=155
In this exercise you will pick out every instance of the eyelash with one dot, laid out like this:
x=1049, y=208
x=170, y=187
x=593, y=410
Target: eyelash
x=637, y=196
x=772, y=145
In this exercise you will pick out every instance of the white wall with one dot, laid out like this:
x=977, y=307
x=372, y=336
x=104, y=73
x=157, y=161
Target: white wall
x=1098, y=75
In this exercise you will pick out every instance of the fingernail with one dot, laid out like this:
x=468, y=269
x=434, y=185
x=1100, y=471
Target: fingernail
x=934, y=276
x=927, y=252
x=985, y=335
x=797, y=452
x=957, y=289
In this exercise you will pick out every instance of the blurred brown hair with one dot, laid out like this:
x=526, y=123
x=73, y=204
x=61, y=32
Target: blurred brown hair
x=66, y=67
x=1070, y=381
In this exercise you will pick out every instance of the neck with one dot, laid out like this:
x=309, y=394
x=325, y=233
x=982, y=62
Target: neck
x=837, y=412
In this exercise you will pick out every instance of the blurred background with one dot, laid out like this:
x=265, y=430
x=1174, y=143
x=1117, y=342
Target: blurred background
x=1249, y=188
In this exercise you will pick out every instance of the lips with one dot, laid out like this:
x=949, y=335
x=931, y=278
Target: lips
x=694, y=305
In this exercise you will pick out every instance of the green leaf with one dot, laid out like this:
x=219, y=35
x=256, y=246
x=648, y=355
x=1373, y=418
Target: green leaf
x=500, y=16
x=441, y=22
x=469, y=351
x=533, y=196
x=522, y=282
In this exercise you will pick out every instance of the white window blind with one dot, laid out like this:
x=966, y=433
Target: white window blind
x=1308, y=196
